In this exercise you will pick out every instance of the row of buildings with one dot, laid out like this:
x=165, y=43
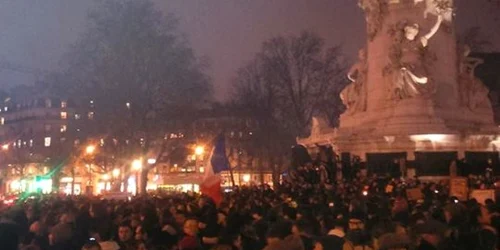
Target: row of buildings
x=50, y=143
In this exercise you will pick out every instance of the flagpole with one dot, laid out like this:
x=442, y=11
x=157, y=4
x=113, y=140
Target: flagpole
x=231, y=175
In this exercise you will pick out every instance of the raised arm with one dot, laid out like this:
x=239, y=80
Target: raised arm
x=435, y=28
x=353, y=70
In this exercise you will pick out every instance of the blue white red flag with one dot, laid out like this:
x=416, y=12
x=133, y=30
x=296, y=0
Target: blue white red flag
x=211, y=184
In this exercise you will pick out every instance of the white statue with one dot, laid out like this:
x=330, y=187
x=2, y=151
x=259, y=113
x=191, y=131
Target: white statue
x=411, y=75
x=438, y=8
x=473, y=92
x=354, y=94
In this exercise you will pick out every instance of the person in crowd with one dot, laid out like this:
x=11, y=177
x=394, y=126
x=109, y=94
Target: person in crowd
x=367, y=212
x=190, y=241
x=126, y=239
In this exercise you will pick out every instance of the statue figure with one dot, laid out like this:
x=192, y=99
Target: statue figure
x=438, y=7
x=375, y=11
x=472, y=91
x=410, y=76
x=354, y=94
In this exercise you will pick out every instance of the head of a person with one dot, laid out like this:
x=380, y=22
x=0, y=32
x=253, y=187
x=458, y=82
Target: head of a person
x=140, y=234
x=191, y=227
x=257, y=214
x=180, y=217
x=142, y=246
x=411, y=31
x=93, y=245
x=36, y=228
x=302, y=227
x=125, y=232
x=278, y=232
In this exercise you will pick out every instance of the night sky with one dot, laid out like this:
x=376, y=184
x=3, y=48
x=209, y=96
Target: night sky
x=35, y=33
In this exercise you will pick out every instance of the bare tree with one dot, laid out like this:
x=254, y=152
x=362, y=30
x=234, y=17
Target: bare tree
x=291, y=80
x=133, y=64
x=475, y=39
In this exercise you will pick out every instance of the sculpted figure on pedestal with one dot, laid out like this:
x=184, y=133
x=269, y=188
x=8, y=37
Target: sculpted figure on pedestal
x=354, y=94
x=375, y=11
x=473, y=93
x=408, y=69
x=438, y=7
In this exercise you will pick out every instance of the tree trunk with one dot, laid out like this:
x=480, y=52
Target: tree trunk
x=147, y=167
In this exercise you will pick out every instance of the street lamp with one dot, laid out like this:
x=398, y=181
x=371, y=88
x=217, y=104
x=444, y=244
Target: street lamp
x=137, y=164
x=116, y=172
x=199, y=150
x=90, y=149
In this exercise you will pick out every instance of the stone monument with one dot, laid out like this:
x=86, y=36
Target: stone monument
x=413, y=88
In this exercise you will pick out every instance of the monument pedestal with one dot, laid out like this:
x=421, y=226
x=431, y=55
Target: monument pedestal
x=405, y=115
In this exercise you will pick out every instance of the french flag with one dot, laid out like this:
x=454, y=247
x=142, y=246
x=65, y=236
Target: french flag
x=211, y=184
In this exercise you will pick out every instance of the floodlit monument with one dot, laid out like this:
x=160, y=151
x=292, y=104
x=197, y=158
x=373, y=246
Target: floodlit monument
x=413, y=90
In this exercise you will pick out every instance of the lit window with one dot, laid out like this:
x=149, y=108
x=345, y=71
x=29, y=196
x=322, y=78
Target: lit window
x=64, y=128
x=64, y=104
x=19, y=144
x=6, y=109
x=31, y=143
x=2, y=121
x=102, y=142
x=91, y=115
x=128, y=105
x=64, y=115
x=47, y=141
x=77, y=116
x=91, y=101
x=77, y=142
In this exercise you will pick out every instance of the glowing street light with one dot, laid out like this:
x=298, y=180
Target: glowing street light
x=151, y=161
x=137, y=164
x=199, y=150
x=5, y=147
x=116, y=172
x=90, y=149
x=105, y=177
x=246, y=178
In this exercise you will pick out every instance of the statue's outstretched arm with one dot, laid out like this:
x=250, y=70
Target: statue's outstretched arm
x=352, y=71
x=433, y=31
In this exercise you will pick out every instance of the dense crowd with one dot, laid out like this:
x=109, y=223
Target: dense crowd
x=308, y=211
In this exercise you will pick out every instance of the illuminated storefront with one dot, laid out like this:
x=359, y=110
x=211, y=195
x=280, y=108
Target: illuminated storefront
x=40, y=184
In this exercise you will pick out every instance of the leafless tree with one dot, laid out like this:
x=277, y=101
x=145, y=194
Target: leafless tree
x=134, y=64
x=288, y=82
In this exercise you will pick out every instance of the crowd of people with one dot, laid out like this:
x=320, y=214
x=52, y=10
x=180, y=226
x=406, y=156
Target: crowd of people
x=306, y=212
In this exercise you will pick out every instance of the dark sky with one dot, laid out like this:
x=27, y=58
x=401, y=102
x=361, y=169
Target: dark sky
x=35, y=33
